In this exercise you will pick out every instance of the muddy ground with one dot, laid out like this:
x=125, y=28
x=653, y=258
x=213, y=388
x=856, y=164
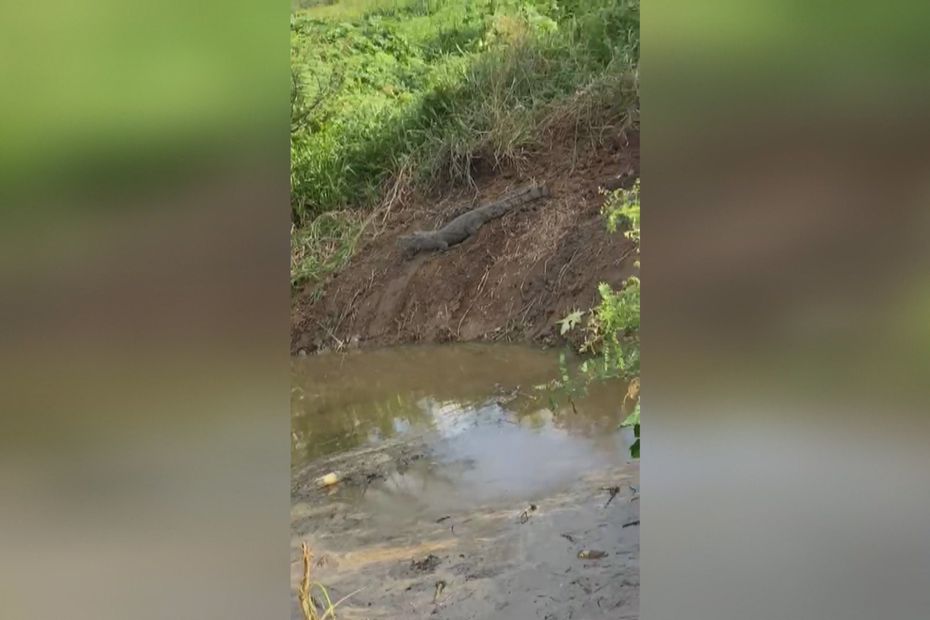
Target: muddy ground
x=507, y=558
x=510, y=282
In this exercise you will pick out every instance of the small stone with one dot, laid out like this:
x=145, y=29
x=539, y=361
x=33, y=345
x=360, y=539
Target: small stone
x=591, y=554
x=328, y=480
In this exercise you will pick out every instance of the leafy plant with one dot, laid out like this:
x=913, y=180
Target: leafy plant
x=632, y=420
x=612, y=329
x=623, y=207
x=570, y=321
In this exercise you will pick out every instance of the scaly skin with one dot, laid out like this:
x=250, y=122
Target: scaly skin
x=467, y=224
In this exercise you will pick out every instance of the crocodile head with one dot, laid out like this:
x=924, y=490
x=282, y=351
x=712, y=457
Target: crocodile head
x=419, y=241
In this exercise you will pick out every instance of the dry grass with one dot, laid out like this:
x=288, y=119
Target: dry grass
x=311, y=608
x=604, y=107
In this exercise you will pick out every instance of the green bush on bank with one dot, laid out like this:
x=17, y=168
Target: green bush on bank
x=612, y=328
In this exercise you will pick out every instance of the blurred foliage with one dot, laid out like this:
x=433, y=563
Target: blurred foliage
x=104, y=95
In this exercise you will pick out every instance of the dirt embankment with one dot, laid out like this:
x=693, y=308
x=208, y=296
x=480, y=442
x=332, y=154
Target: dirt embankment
x=511, y=281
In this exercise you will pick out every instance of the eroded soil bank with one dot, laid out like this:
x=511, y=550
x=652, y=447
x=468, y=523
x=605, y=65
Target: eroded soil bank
x=466, y=492
x=511, y=281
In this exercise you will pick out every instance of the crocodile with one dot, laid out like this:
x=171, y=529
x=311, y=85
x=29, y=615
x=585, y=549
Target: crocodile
x=467, y=224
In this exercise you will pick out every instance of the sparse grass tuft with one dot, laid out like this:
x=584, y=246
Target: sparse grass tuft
x=323, y=245
x=304, y=590
x=311, y=608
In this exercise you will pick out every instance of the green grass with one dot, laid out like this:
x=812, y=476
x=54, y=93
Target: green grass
x=323, y=245
x=438, y=88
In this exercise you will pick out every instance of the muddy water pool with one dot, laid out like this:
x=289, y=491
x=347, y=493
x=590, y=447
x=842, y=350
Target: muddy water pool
x=456, y=467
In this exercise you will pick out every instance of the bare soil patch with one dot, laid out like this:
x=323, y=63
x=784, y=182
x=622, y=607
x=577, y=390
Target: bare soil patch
x=511, y=281
x=572, y=553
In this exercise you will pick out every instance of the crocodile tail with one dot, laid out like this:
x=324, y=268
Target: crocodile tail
x=529, y=194
x=516, y=199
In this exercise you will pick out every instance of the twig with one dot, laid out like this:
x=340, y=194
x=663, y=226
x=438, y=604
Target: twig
x=613, y=493
x=349, y=308
x=528, y=308
x=475, y=298
x=558, y=283
x=342, y=600
x=303, y=590
x=340, y=343
x=626, y=254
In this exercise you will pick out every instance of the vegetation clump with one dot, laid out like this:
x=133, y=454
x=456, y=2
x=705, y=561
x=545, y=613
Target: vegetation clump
x=612, y=328
x=310, y=607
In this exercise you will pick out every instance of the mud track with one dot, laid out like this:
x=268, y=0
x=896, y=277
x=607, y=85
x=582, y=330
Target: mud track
x=504, y=559
x=509, y=282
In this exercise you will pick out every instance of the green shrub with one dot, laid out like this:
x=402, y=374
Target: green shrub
x=623, y=206
x=612, y=329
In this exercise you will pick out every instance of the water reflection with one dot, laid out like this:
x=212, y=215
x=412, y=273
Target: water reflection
x=340, y=402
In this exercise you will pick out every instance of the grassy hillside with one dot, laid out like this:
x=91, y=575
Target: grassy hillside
x=423, y=91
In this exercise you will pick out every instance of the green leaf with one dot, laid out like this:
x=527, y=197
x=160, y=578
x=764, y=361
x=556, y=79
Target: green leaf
x=633, y=418
x=634, y=449
x=570, y=321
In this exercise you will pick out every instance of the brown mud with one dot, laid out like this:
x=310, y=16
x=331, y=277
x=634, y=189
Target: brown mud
x=511, y=281
x=465, y=491
x=498, y=560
